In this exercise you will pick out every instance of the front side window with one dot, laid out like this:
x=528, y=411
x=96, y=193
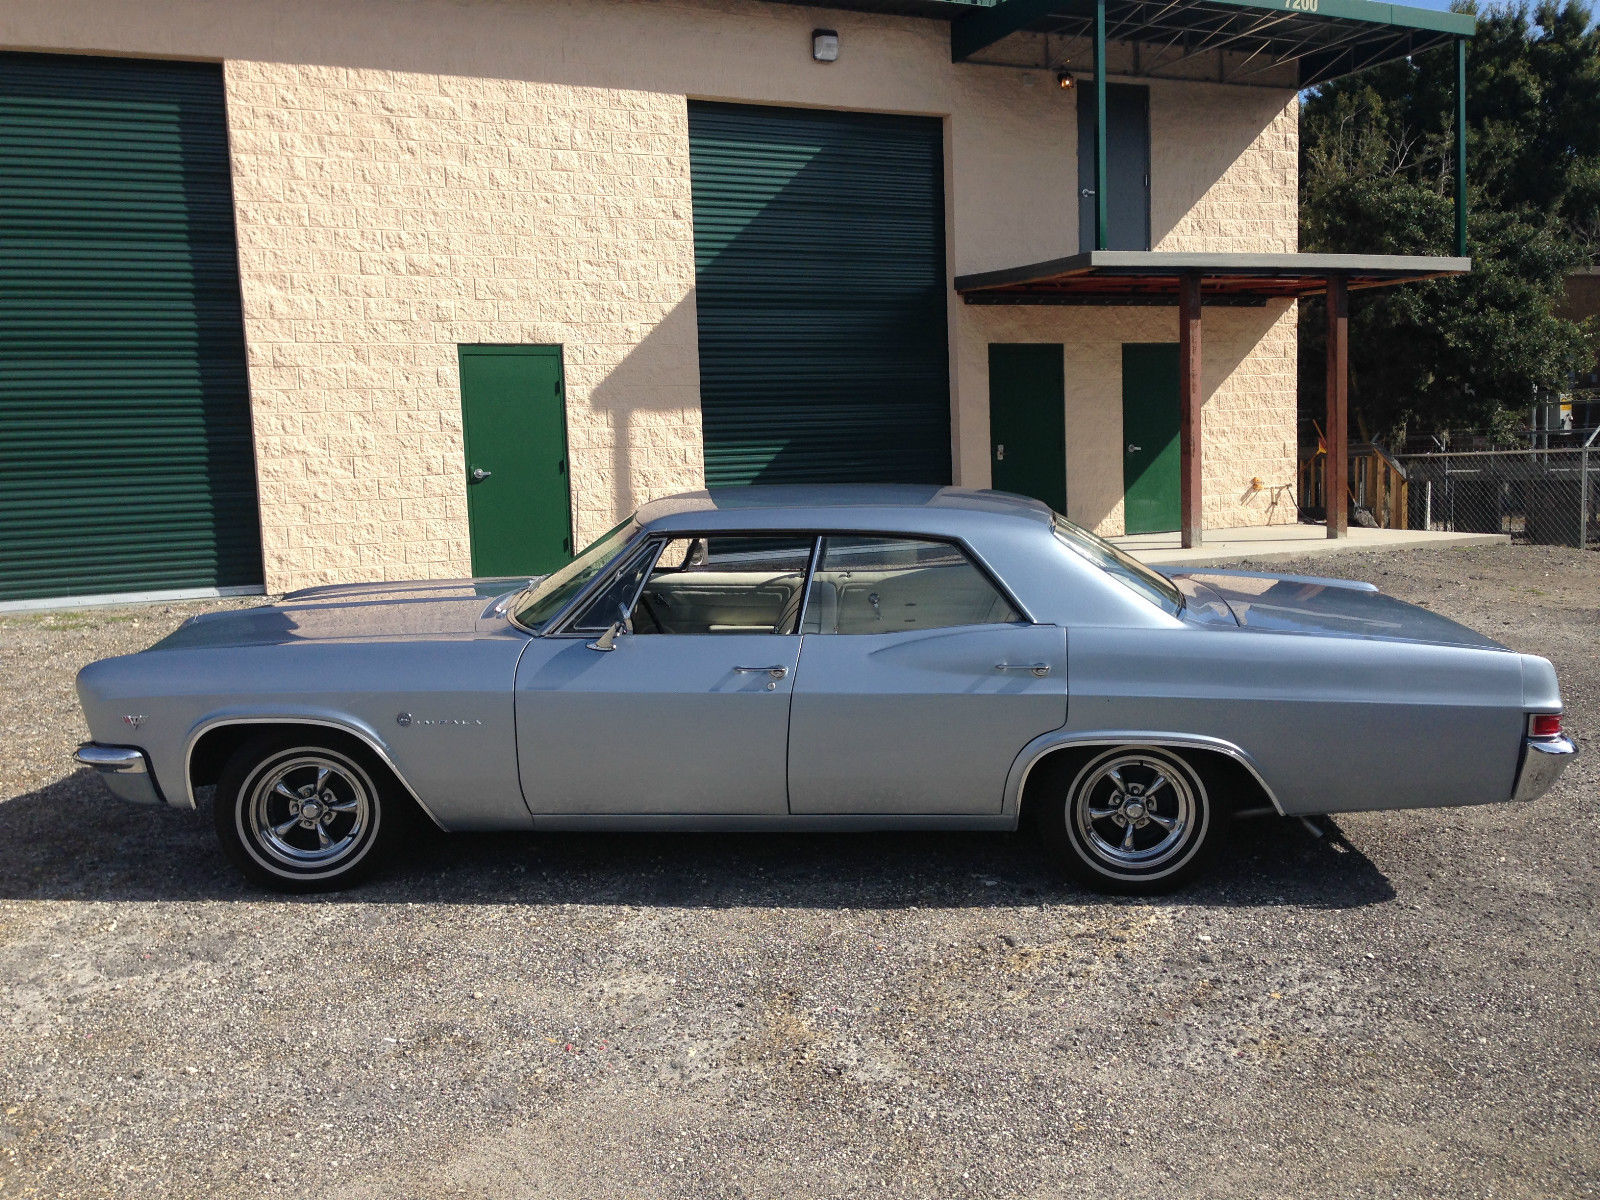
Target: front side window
x=713, y=584
x=870, y=584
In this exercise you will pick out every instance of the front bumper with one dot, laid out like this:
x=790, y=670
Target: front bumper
x=1543, y=760
x=123, y=769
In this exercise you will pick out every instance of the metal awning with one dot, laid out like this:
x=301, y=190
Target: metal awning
x=1298, y=42
x=1155, y=277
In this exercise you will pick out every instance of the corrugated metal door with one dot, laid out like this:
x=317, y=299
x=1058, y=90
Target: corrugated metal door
x=821, y=292
x=126, y=462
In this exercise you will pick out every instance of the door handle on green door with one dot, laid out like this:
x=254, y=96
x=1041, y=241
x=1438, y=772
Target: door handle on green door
x=479, y=474
x=1132, y=449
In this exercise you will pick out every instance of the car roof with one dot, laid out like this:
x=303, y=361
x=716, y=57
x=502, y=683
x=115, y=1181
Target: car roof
x=909, y=508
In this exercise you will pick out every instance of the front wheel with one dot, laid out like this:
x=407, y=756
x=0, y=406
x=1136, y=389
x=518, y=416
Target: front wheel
x=1132, y=819
x=300, y=817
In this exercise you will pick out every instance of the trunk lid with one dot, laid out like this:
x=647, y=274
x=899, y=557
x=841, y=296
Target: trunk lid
x=1321, y=607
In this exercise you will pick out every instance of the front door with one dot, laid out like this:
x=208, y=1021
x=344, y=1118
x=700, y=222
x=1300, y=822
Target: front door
x=687, y=713
x=1027, y=421
x=1150, y=460
x=1127, y=162
x=513, y=411
x=919, y=683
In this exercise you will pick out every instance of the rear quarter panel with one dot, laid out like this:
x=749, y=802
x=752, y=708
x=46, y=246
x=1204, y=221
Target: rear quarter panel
x=1332, y=724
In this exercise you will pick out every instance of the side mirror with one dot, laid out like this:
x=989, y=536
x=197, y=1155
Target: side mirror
x=608, y=639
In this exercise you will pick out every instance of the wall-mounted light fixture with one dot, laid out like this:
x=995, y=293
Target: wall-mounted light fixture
x=1066, y=81
x=825, y=45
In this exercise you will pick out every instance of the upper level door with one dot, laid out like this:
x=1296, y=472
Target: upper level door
x=1027, y=421
x=519, y=505
x=1127, y=162
x=685, y=709
x=919, y=683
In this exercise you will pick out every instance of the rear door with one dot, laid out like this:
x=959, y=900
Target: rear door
x=919, y=683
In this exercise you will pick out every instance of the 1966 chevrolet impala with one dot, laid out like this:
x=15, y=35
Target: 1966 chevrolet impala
x=822, y=658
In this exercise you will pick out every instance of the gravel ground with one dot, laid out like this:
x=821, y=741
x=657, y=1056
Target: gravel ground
x=1405, y=1007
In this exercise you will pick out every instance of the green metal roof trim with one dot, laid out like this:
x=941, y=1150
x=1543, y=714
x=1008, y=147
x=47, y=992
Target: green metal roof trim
x=1245, y=40
x=1237, y=41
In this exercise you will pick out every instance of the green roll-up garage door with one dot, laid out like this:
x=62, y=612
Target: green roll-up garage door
x=820, y=287
x=125, y=454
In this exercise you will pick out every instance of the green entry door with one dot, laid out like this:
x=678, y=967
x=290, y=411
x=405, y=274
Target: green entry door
x=1027, y=421
x=519, y=507
x=1150, y=437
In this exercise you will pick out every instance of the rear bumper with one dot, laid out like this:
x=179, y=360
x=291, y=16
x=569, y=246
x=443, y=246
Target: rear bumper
x=1543, y=760
x=123, y=769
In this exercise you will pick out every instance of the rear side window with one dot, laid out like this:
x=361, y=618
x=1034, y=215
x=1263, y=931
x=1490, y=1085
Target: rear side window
x=885, y=585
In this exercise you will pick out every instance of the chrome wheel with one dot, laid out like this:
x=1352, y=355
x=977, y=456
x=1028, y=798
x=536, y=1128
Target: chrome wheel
x=1135, y=810
x=308, y=810
x=1136, y=818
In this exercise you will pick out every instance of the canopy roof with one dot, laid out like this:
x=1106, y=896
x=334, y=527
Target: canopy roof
x=1152, y=277
x=1234, y=41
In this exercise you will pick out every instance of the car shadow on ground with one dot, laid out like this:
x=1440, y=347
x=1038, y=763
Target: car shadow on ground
x=70, y=841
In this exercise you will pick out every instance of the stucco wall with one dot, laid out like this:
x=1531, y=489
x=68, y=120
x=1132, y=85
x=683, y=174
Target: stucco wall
x=414, y=174
x=385, y=217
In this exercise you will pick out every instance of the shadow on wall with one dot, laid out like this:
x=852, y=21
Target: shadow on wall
x=818, y=312
x=70, y=841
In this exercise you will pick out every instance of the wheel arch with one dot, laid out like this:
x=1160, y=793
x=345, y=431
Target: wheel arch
x=1060, y=742
x=212, y=742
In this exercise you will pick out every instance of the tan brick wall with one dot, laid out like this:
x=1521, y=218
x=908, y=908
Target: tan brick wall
x=1225, y=169
x=415, y=174
x=385, y=217
x=1248, y=415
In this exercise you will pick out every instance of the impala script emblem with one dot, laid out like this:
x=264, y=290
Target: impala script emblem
x=406, y=719
x=133, y=721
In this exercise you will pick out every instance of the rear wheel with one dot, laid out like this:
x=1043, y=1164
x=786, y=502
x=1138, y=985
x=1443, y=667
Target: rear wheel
x=1131, y=819
x=300, y=817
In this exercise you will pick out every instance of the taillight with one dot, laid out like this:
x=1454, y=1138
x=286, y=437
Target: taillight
x=1544, y=725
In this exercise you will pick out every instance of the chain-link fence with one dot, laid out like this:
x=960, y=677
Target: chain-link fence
x=1550, y=497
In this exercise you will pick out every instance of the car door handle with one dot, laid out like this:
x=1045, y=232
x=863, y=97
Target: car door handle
x=1039, y=669
x=775, y=672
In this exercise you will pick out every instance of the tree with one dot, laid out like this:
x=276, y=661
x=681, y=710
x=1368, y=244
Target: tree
x=1377, y=175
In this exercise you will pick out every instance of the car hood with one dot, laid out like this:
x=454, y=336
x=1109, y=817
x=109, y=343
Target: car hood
x=419, y=608
x=1310, y=605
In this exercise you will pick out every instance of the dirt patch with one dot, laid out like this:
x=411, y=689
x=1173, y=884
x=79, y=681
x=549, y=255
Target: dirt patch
x=1406, y=1009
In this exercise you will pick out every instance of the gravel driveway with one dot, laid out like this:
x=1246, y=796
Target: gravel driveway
x=1406, y=1007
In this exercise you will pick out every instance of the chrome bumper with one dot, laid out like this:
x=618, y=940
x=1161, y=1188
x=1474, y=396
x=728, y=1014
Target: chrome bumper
x=123, y=769
x=1543, y=760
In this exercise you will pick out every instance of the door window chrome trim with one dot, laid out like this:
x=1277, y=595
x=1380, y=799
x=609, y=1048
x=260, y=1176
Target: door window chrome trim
x=561, y=624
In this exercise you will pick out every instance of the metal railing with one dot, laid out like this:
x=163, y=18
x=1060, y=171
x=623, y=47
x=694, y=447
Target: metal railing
x=1545, y=496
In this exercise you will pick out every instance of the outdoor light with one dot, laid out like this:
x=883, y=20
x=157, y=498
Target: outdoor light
x=825, y=45
x=1065, y=81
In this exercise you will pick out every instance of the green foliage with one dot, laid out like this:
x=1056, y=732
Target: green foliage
x=1378, y=176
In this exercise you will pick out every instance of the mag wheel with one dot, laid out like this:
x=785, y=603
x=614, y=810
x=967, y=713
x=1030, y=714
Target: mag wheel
x=297, y=816
x=1132, y=819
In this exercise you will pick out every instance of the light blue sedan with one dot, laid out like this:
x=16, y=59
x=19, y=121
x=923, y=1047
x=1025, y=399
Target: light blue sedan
x=826, y=658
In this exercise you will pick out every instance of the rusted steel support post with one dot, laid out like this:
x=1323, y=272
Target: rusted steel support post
x=1336, y=489
x=1190, y=398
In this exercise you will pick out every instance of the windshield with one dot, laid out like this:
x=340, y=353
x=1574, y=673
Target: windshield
x=1122, y=567
x=543, y=600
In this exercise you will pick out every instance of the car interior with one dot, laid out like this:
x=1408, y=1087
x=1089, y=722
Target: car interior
x=862, y=585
